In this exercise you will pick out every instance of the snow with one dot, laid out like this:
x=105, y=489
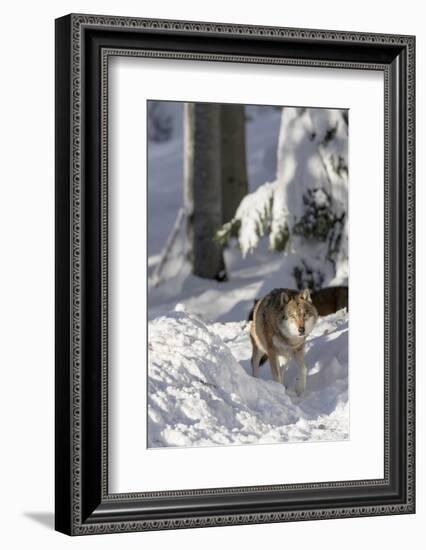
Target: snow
x=249, y=278
x=254, y=213
x=200, y=391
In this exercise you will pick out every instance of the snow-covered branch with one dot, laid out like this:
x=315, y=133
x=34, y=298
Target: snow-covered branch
x=304, y=210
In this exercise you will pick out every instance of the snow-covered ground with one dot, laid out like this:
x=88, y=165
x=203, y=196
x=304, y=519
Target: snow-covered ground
x=200, y=391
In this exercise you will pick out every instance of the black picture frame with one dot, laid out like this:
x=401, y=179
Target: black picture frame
x=83, y=45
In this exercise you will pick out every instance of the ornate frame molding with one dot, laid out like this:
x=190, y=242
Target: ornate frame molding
x=72, y=46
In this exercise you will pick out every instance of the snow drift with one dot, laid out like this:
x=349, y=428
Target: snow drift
x=200, y=391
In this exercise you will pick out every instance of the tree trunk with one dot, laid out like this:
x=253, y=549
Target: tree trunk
x=233, y=150
x=202, y=187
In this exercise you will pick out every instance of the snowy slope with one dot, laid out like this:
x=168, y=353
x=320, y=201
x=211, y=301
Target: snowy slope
x=200, y=391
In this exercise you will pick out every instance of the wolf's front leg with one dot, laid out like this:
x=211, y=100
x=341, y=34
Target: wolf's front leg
x=299, y=355
x=282, y=365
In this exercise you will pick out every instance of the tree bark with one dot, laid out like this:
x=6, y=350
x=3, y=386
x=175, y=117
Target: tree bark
x=233, y=157
x=203, y=188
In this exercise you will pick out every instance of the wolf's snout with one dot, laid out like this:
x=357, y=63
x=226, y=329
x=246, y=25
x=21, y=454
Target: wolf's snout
x=301, y=330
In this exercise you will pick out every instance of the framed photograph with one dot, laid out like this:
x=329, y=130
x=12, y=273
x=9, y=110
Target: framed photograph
x=234, y=274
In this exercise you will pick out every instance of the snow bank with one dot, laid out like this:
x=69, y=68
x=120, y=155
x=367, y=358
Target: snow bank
x=200, y=391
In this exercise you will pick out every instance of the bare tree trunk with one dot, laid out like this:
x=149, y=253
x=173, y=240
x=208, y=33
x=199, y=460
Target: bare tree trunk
x=234, y=170
x=202, y=187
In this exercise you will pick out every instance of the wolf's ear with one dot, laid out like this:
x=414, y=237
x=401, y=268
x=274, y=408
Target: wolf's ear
x=284, y=298
x=306, y=295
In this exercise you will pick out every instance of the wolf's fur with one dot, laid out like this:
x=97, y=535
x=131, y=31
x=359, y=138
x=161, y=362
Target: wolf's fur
x=281, y=322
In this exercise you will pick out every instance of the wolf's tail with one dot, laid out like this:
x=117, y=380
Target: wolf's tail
x=250, y=315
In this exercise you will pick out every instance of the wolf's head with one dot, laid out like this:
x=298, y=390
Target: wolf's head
x=299, y=315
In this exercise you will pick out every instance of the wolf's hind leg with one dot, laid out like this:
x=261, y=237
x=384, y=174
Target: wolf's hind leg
x=256, y=357
x=275, y=368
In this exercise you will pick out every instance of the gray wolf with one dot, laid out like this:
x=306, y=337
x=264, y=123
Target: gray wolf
x=281, y=322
